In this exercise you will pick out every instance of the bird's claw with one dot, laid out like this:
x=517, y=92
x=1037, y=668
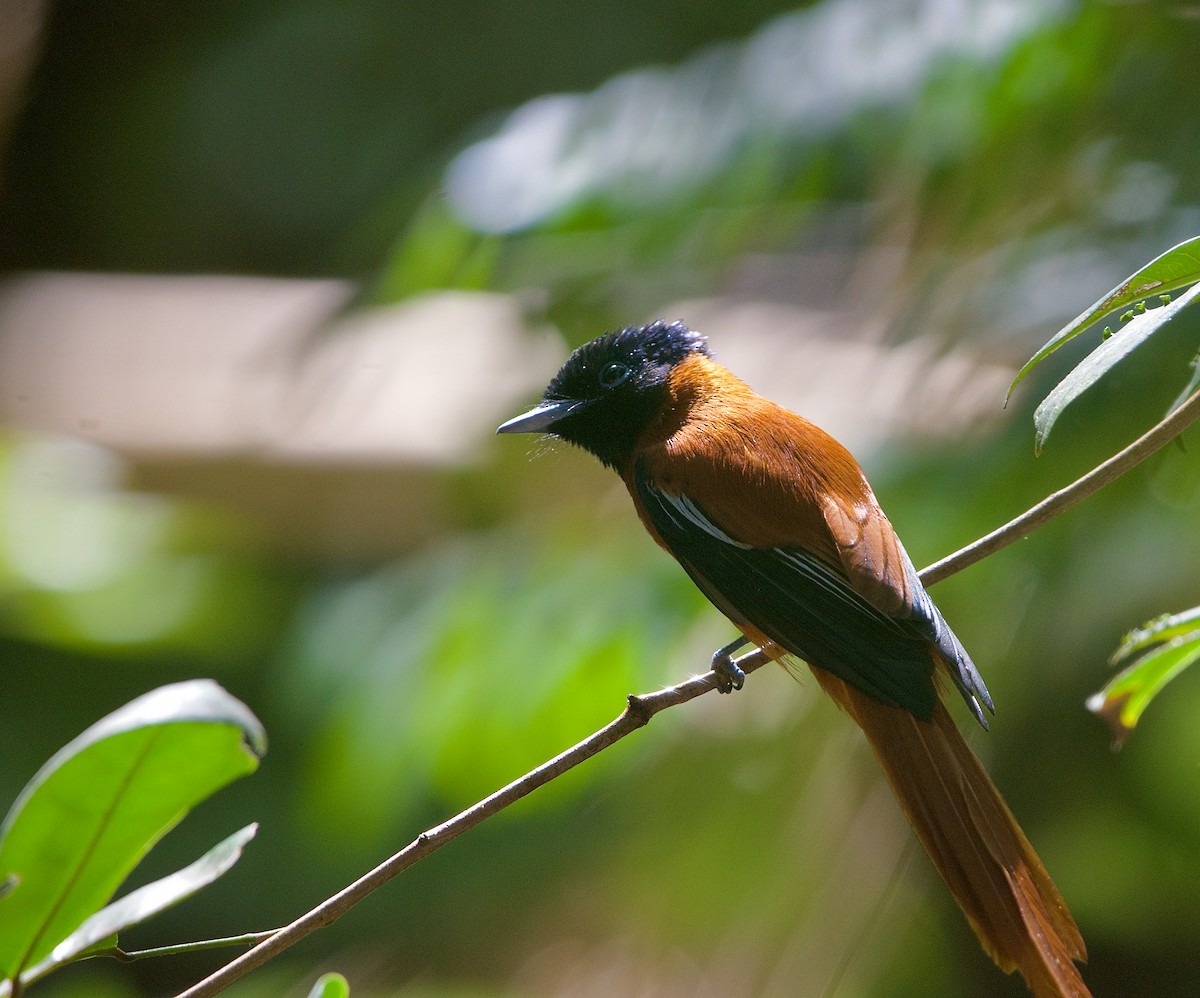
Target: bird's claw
x=730, y=676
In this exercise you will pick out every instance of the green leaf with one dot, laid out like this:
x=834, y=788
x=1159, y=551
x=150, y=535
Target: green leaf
x=1127, y=695
x=1160, y=629
x=330, y=986
x=98, y=806
x=1110, y=352
x=101, y=930
x=1176, y=268
x=1190, y=387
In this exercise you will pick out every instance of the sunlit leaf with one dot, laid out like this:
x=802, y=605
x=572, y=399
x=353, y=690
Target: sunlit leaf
x=1127, y=695
x=1176, y=268
x=100, y=932
x=1111, y=351
x=1160, y=629
x=1190, y=387
x=330, y=986
x=95, y=809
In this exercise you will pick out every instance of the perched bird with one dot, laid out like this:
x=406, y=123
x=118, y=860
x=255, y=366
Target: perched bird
x=776, y=524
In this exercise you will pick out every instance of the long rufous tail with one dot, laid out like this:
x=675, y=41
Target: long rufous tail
x=974, y=841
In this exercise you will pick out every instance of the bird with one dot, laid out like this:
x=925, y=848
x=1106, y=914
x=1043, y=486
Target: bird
x=776, y=524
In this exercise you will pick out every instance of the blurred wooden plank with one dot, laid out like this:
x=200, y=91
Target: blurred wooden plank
x=275, y=369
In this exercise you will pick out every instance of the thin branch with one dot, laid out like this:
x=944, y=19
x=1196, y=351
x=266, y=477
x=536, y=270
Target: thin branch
x=637, y=714
x=1152, y=440
x=640, y=709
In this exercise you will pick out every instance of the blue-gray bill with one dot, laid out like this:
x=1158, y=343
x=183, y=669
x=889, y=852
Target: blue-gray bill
x=541, y=417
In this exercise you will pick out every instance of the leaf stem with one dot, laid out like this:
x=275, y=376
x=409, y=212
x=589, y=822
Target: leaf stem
x=130, y=956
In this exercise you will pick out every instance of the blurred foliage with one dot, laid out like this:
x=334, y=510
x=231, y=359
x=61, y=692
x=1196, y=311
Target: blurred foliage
x=330, y=986
x=1170, y=644
x=976, y=172
x=86, y=563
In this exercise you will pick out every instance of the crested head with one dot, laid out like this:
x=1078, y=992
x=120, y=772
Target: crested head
x=611, y=388
x=647, y=353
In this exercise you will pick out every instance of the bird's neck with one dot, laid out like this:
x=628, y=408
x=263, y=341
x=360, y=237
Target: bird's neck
x=696, y=389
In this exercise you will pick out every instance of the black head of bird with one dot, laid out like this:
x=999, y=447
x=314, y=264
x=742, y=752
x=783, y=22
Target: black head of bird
x=610, y=388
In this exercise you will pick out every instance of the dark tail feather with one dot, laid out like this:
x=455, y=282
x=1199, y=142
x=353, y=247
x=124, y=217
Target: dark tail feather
x=974, y=841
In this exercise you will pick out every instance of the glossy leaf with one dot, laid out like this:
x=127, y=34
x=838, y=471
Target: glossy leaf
x=1160, y=629
x=1111, y=352
x=330, y=986
x=1176, y=268
x=1191, y=386
x=99, y=933
x=1127, y=695
x=95, y=809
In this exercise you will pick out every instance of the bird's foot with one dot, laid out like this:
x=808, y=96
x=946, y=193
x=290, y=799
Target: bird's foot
x=729, y=673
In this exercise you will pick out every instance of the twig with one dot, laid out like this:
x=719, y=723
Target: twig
x=640, y=709
x=1058, y=502
x=637, y=714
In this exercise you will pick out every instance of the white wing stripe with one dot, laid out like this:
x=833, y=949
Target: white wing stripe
x=689, y=511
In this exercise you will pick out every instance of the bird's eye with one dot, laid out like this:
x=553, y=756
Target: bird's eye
x=612, y=375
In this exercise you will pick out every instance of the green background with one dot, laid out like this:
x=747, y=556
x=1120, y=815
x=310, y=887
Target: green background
x=959, y=179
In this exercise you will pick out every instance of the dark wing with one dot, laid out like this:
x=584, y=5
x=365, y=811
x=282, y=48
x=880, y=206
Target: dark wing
x=878, y=567
x=810, y=608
